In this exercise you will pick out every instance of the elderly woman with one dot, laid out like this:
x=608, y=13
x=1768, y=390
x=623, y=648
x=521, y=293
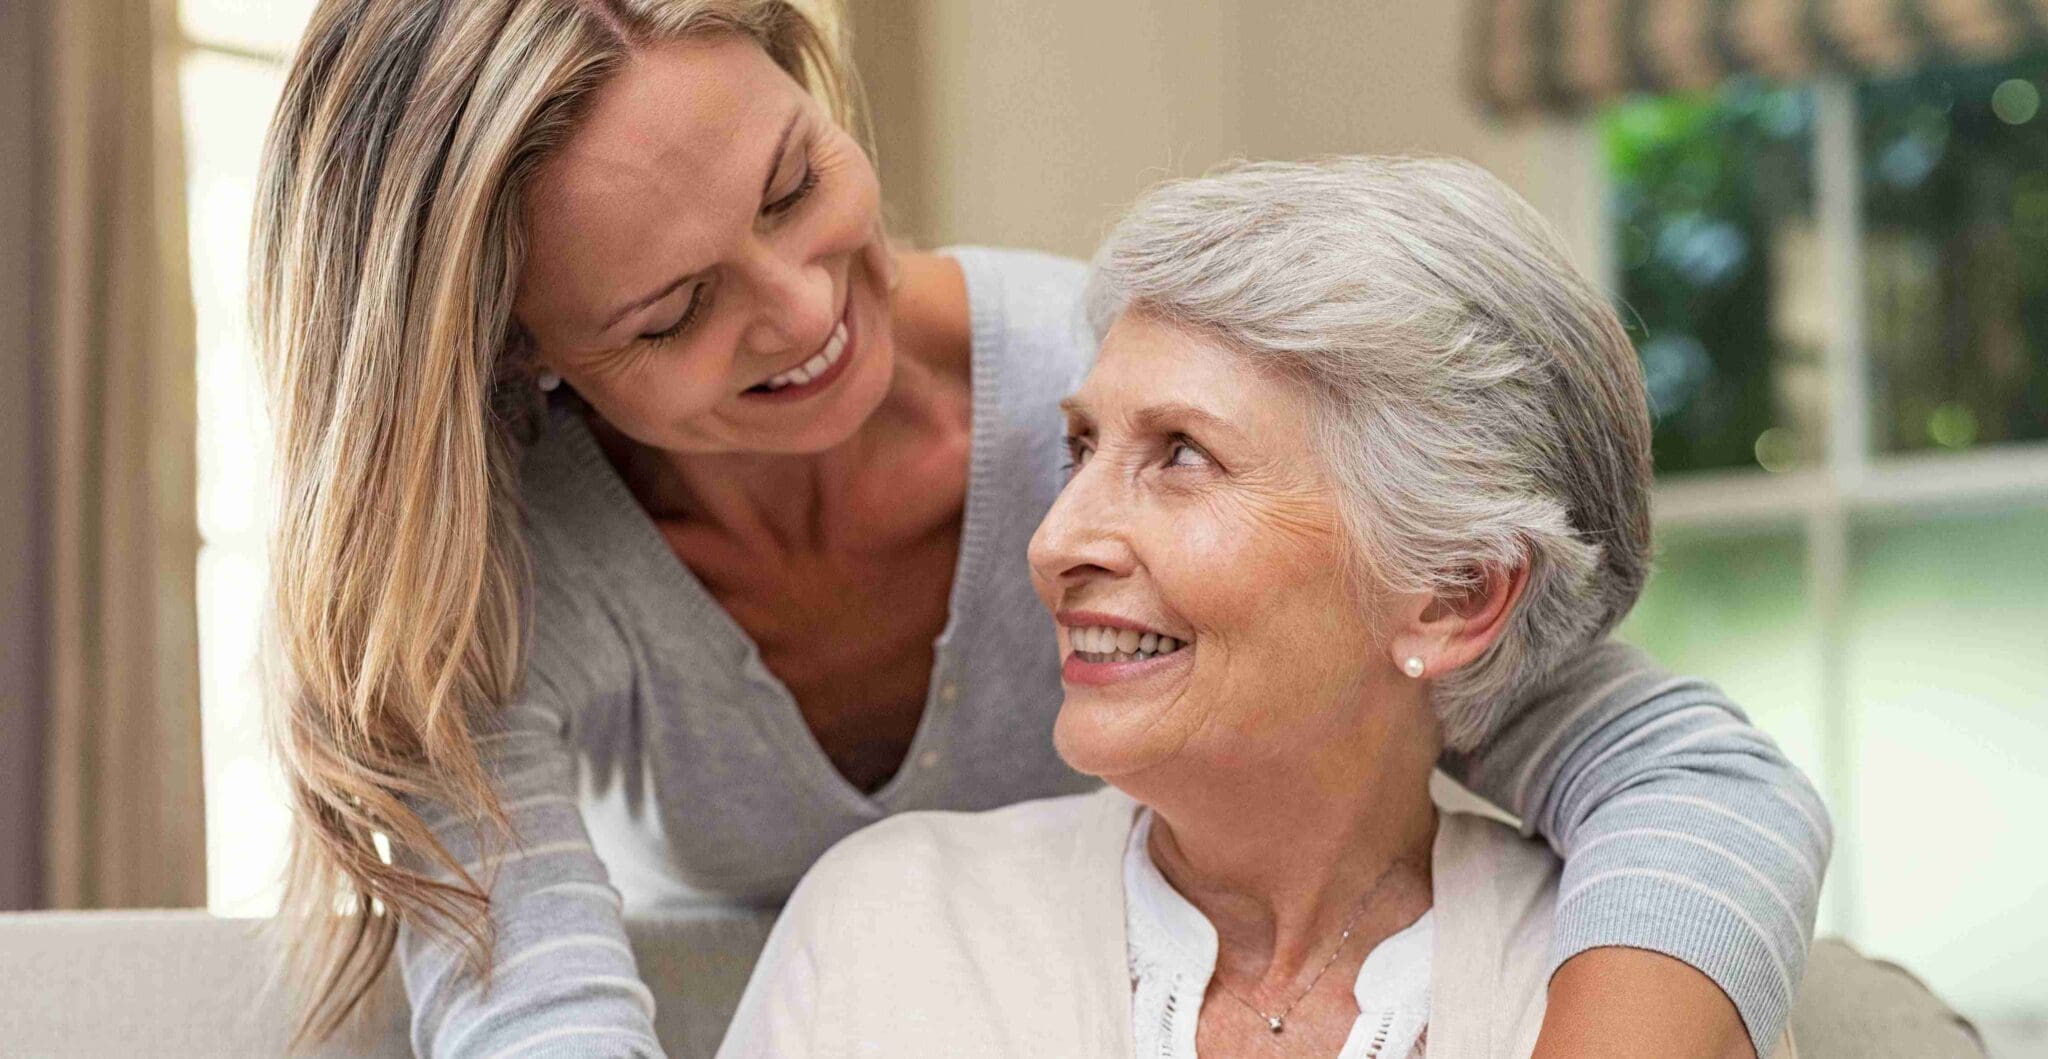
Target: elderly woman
x=1362, y=462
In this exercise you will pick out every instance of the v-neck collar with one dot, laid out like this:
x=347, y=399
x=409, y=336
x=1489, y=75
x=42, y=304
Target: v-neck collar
x=632, y=528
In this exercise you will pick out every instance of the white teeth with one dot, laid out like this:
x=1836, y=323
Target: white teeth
x=835, y=347
x=1120, y=645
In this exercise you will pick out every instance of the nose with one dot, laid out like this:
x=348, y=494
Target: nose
x=795, y=300
x=1082, y=538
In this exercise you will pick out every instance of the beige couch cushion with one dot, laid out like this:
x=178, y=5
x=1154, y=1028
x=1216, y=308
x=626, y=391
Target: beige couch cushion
x=172, y=984
x=1852, y=1006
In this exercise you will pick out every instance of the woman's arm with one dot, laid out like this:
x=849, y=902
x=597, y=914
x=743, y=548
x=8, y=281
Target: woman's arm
x=563, y=974
x=1684, y=831
x=563, y=978
x=1628, y=1002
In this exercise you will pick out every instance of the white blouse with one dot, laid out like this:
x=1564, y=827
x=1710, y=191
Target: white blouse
x=1173, y=956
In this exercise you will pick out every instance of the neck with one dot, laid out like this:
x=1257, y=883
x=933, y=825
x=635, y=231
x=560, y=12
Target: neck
x=1282, y=855
x=776, y=501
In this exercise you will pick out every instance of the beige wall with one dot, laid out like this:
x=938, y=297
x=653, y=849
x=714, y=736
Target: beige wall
x=1032, y=123
x=20, y=630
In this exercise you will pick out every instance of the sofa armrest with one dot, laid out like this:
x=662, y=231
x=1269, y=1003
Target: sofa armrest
x=184, y=983
x=1854, y=1007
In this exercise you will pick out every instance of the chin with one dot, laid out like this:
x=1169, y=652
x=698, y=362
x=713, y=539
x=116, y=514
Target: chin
x=851, y=409
x=840, y=414
x=1106, y=741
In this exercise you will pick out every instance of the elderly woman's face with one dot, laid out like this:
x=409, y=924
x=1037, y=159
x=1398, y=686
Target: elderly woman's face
x=1192, y=564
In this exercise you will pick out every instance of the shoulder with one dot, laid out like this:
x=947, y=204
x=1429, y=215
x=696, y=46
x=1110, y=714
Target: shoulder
x=583, y=562
x=1027, y=312
x=1495, y=911
x=930, y=851
x=951, y=867
x=1475, y=851
x=1024, y=277
x=1486, y=871
x=938, y=891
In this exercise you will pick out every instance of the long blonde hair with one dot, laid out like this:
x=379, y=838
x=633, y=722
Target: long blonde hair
x=387, y=249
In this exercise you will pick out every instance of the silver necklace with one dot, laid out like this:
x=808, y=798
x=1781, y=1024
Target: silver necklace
x=1278, y=1023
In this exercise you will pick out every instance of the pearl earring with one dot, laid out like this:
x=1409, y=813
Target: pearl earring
x=548, y=381
x=1413, y=666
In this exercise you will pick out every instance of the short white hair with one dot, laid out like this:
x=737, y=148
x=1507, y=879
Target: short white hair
x=1477, y=401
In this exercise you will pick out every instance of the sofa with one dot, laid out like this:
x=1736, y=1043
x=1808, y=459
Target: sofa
x=171, y=984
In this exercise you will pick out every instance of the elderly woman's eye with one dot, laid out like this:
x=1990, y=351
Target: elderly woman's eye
x=1181, y=452
x=1077, y=453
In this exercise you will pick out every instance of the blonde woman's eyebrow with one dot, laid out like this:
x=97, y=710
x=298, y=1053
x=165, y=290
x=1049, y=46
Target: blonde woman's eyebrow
x=781, y=148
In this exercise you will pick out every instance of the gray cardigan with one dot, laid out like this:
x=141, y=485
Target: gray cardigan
x=653, y=762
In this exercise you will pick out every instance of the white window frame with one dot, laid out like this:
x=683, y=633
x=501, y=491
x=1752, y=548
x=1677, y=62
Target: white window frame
x=1853, y=481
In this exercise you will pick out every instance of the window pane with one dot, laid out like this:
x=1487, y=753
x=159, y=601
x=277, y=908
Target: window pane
x=1955, y=190
x=271, y=26
x=1719, y=272
x=1946, y=668
x=227, y=102
x=1733, y=607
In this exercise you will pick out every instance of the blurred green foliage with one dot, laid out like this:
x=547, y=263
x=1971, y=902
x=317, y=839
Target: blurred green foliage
x=1713, y=201
x=1955, y=200
x=1700, y=184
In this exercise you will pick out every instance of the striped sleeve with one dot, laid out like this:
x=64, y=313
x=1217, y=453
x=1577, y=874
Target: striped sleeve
x=563, y=979
x=1683, y=828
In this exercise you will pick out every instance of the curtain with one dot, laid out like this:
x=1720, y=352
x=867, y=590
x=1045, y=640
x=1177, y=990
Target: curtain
x=21, y=696
x=1533, y=56
x=123, y=816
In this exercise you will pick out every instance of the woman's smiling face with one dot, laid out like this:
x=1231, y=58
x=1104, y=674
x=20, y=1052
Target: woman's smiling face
x=705, y=263
x=1197, y=513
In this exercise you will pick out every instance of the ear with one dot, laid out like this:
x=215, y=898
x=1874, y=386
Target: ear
x=1449, y=632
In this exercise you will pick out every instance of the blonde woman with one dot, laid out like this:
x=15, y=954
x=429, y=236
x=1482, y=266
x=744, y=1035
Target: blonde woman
x=648, y=526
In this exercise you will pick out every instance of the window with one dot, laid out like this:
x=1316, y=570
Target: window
x=1839, y=292
x=230, y=72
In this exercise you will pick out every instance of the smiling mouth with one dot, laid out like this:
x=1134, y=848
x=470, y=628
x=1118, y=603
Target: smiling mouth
x=812, y=372
x=1101, y=644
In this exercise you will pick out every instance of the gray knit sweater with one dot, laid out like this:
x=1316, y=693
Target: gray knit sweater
x=652, y=761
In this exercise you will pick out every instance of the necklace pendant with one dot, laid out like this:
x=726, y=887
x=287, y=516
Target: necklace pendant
x=1273, y=1023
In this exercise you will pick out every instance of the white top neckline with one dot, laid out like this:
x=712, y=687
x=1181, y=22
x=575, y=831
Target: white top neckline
x=1173, y=956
